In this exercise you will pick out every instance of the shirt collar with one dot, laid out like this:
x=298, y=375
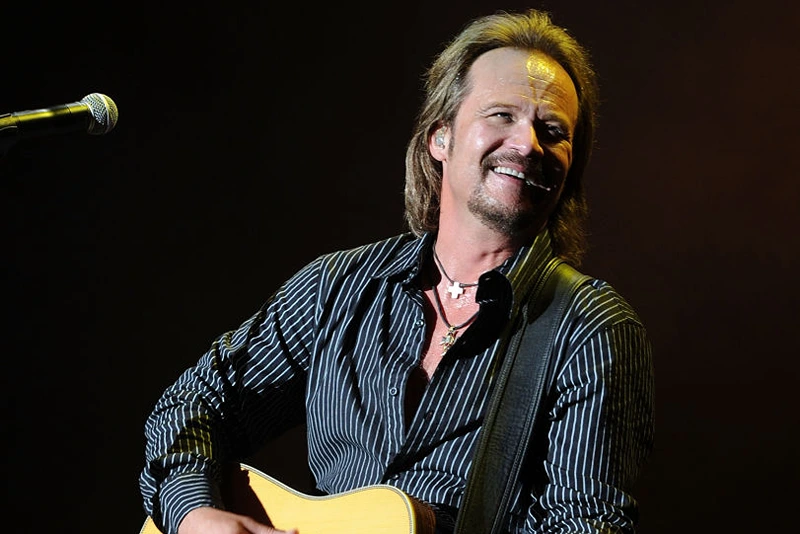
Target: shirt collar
x=521, y=269
x=530, y=260
x=409, y=260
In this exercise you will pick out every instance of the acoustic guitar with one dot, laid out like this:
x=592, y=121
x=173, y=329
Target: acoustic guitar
x=376, y=509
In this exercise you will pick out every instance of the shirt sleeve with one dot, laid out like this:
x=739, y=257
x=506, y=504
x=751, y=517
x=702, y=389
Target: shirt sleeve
x=599, y=430
x=248, y=387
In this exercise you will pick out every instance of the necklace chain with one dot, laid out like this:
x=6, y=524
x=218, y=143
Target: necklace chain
x=452, y=330
x=455, y=289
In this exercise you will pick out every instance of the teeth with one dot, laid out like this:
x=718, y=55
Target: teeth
x=510, y=172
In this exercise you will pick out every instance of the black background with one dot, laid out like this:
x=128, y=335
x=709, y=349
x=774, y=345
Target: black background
x=253, y=138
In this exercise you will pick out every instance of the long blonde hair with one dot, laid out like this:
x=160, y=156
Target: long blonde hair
x=446, y=85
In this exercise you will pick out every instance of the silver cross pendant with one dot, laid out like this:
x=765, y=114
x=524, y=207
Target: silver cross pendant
x=455, y=290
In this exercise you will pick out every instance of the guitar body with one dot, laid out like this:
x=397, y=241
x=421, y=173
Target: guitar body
x=378, y=509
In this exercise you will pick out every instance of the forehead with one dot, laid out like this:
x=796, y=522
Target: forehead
x=531, y=75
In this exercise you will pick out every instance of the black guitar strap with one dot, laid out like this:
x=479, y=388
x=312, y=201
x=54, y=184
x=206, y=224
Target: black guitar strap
x=514, y=405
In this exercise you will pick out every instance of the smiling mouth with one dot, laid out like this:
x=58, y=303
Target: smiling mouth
x=519, y=176
x=510, y=172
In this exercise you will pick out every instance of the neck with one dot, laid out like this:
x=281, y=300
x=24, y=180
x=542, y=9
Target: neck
x=465, y=256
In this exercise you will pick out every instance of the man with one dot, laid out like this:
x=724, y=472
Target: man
x=386, y=352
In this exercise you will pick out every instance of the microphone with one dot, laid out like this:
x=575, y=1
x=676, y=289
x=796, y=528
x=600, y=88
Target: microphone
x=531, y=183
x=95, y=114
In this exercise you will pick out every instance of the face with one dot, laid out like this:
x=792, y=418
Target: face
x=508, y=151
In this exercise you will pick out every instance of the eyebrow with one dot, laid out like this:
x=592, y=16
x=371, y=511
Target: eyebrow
x=547, y=115
x=556, y=116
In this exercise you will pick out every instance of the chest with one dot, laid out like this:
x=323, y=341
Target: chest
x=446, y=319
x=381, y=355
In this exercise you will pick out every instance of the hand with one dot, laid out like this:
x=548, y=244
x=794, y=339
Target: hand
x=207, y=520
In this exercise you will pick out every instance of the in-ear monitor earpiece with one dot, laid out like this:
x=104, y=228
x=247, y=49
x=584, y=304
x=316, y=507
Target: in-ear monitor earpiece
x=439, y=139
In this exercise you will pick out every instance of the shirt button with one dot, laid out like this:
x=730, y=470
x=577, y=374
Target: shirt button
x=392, y=391
x=419, y=323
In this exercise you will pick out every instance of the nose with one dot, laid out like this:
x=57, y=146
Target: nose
x=525, y=140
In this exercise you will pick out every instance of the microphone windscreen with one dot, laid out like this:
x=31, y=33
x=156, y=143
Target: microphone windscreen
x=104, y=112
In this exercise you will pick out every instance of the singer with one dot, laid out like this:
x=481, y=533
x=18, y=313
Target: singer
x=391, y=353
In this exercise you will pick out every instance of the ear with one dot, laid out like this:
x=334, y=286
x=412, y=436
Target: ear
x=437, y=143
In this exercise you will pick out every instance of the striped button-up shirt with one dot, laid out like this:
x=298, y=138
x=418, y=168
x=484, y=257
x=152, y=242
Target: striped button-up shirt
x=334, y=348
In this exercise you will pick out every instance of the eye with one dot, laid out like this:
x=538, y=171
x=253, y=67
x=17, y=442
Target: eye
x=553, y=132
x=504, y=116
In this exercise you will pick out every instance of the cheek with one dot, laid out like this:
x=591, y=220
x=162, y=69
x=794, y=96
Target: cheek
x=478, y=139
x=546, y=202
x=567, y=160
x=561, y=160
